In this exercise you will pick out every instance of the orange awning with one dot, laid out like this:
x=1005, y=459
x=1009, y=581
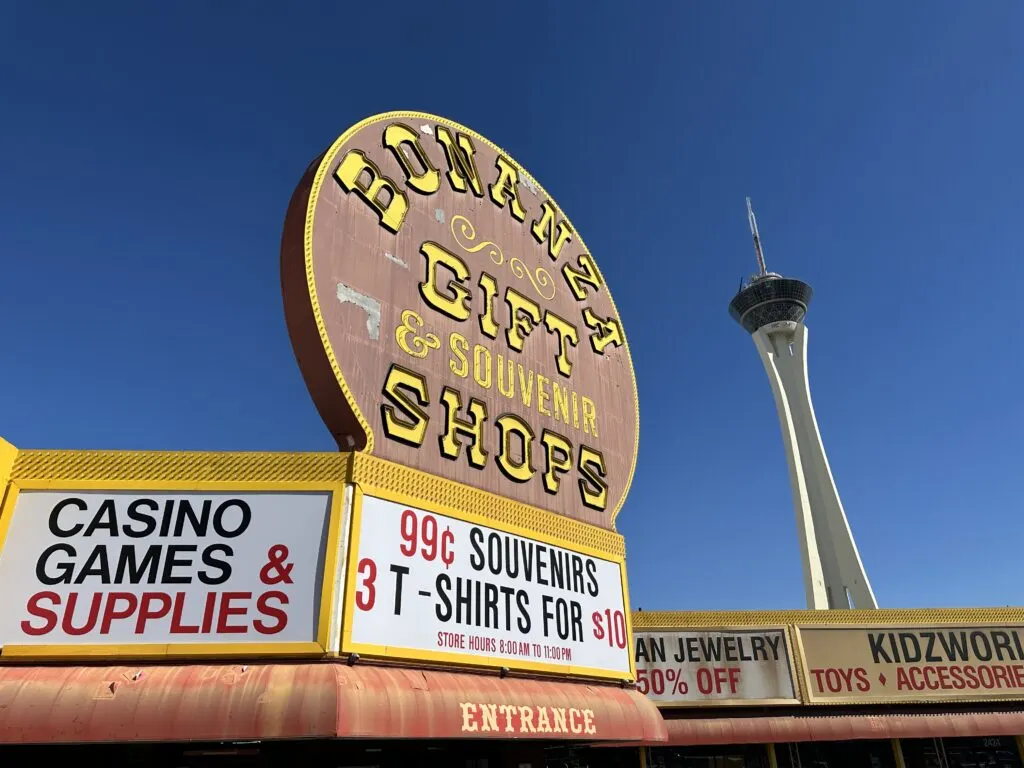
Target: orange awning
x=239, y=702
x=845, y=727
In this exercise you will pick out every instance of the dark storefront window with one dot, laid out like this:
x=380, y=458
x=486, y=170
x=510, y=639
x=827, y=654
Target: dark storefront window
x=737, y=756
x=327, y=754
x=315, y=754
x=836, y=754
x=990, y=752
x=561, y=756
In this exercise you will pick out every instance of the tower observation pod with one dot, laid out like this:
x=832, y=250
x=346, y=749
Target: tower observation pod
x=772, y=308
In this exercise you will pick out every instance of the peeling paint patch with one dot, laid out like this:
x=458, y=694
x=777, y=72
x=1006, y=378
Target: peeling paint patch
x=371, y=306
x=426, y=129
x=439, y=215
x=530, y=183
x=392, y=257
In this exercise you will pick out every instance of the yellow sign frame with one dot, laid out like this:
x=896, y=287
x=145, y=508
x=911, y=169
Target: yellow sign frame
x=791, y=660
x=173, y=472
x=408, y=655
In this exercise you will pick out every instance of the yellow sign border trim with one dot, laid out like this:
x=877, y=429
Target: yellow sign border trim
x=467, y=660
x=827, y=618
x=171, y=650
x=371, y=471
x=97, y=469
x=8, y=455
x=913, y=698
x=794, y=674
x=314, y=196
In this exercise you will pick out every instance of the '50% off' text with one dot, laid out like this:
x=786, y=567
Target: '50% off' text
x=710, y=681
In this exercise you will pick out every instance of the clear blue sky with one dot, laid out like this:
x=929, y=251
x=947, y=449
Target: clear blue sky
x=149, y=151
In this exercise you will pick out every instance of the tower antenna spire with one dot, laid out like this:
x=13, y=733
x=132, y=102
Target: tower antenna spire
x=757, y=239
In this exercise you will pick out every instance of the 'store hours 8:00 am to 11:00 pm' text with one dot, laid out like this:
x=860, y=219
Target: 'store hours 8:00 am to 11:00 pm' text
x=431, y=585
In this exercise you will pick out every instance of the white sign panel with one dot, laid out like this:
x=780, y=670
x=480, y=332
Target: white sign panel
x=435, y=587
x=728, y=666
x=115, y=567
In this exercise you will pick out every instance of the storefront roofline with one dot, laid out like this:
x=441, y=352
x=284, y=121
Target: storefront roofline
x=695, y=620
x=801, y=728
x=719, y=727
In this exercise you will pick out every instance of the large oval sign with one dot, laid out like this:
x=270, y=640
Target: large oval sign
x=448, y=317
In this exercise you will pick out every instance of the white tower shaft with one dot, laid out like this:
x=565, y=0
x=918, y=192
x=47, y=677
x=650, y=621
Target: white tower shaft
x=834, y=575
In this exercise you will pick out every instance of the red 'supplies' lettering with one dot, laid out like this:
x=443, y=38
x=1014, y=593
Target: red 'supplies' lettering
x=229, y=612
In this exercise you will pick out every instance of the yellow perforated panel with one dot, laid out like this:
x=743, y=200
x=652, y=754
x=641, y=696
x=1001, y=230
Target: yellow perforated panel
x=156, y=467
x=907, y=616
x=180, y=466
x=371, y=472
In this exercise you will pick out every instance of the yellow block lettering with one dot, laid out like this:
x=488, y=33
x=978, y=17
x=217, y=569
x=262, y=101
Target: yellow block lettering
x=589, y=417
x=473, y=428
x=584, y=275
x=558, y=455
x=526, y=385
x=350, y=174
x=506, y=188
x=593, y=488
x=455, y=303
x=459, y=363
x=398, y=137
x=413, y=427
x=524, y=316
x=544, y=229
x=506, y=376
x=560, y=402
x=542, y=394
x=488, y=325
x=566, y=334
x=461, y=165
x=482, y=366
x=509, y=426
x=607, y=331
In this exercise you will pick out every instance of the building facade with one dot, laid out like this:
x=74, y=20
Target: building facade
x=261, y=657
x=879, y=687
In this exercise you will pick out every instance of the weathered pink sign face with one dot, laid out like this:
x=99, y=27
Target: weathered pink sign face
x=446, y=316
